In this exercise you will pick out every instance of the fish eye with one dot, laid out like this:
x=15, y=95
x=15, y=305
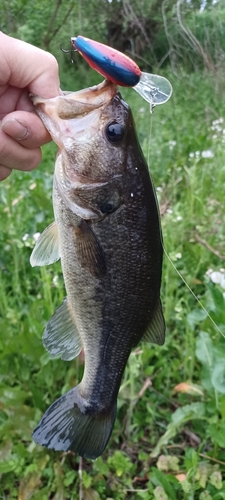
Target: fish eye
x=114, y=132
x=106, y=207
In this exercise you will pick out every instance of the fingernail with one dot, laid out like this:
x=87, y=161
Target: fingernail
x=15, y=129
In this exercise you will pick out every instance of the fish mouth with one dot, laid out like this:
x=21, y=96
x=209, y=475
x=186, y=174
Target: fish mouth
x=68, y=117
x=73, y=104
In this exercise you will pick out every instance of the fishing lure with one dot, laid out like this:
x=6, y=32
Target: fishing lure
x=122, y=70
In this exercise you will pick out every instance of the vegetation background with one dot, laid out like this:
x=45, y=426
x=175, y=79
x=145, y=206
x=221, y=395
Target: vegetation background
x=169, y=437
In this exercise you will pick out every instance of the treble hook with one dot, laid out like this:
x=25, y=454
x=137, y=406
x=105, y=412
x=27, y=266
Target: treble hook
x=67, y=51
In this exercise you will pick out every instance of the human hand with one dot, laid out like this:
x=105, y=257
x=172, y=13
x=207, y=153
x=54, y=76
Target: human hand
x=24, y=69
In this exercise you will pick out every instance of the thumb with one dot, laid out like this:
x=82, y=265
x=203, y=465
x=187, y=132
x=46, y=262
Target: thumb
x=25, y=127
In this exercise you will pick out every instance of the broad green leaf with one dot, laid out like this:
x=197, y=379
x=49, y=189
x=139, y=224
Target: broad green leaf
x=144, y=495
x=69, y=478
x=219, y=302
x=204, y=349
x=91, y=494
x=12, y=396
x=216, y=480
x=206, y=378
x=195, y=316
x=217, y=433
x=218, y=377
x=205, y=495
x=164, y=439
x=86, y=479
x=160, y=494
x=179, y=417
x=186, y=486
x=6, y=450
x=168, y=463
x=160, y=479
x=194, y=410
x=222, y=409
x=202, y=475
x=101, y=466
x=8, y=466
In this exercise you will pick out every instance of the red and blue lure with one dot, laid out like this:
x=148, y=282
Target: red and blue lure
x=120, y=69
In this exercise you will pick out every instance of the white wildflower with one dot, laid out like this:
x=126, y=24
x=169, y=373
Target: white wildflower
x=207, y=154
x=216, y=124
x=36, y=236
x=172, y=144
x=196, y=154
x=217, y=277
x=55, y=280
x=217, y=128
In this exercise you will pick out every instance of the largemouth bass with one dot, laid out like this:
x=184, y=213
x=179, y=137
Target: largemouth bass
x=107, y=234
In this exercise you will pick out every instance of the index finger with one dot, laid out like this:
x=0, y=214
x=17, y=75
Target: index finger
x=26, y=66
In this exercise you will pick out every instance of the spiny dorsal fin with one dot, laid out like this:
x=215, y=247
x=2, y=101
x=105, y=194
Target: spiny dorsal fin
x=156, y=330
x=61, y=337
x=89, y=250
x=46, y=250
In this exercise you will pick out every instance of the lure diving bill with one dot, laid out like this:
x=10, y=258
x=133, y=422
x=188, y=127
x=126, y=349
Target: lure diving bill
x=122, y=70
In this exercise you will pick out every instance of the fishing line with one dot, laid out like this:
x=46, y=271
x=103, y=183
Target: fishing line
x=190, y=290
x=168, y=257
x=150, y=135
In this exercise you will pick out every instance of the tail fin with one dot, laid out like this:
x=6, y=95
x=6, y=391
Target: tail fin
x=71, y=423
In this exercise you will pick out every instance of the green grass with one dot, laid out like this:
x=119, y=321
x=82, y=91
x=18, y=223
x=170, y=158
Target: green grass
x=160, y=432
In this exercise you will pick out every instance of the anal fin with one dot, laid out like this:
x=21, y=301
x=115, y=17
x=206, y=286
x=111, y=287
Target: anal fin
x=60, y=337
x=156, y=330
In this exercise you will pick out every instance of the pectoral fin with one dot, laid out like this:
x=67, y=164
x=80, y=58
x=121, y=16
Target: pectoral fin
x=61, y=337
x=89, y=250
x=156, y=330
x=46, y=250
